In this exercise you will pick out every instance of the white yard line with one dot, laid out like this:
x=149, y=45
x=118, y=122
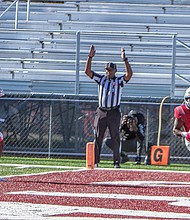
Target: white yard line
x=38, y=166
x=84, y=168
x=103, y=196
x=2, y=178
x=30, y=211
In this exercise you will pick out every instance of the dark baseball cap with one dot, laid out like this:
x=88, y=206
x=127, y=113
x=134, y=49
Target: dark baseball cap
x=111, y=65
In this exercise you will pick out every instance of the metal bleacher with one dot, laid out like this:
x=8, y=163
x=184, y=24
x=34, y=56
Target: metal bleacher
x=41, y=54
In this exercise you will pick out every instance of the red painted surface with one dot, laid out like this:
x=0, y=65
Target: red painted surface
x=86, y=181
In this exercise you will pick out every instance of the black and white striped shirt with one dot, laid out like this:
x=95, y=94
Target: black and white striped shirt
x=110, y=90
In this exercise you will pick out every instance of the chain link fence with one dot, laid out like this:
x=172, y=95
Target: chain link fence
x=60, y=126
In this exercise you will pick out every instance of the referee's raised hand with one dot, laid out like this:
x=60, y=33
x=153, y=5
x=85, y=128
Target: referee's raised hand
x=92, y=51
x=129, y=71
x=123, y=54
x=91, y=54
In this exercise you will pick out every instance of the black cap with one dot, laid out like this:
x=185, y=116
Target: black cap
x=111, y=65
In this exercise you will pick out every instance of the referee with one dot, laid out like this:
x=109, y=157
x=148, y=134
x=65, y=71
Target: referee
x=108, y=112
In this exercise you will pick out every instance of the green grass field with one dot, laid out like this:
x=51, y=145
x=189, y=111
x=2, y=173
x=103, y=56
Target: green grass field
x=22, y=165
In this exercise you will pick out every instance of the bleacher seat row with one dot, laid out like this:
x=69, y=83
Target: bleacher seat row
x=43, y=50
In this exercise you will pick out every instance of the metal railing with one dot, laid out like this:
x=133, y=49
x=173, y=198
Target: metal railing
x=174, y=74
x=78, y=45
x=16, y=2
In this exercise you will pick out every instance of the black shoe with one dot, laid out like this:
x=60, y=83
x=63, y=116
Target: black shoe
x=116, y=165
x=137, y=163
x=138, y=160
x=124, y=159
x=96, y=165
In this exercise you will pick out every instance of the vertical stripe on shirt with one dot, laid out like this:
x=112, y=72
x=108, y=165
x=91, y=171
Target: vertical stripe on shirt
x=107, y=91
x=112, y=98
x=100, y=89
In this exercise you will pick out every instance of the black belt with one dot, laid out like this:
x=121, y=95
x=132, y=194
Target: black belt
x=109, y=109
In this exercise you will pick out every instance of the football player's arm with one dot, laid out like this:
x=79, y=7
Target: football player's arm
x=177, y=128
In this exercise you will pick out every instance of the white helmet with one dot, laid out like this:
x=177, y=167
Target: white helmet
x=187, y=96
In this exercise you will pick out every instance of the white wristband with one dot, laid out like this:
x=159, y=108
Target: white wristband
x=183, y=134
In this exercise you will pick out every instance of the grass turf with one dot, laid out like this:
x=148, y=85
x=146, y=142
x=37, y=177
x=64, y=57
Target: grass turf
x=13, y=165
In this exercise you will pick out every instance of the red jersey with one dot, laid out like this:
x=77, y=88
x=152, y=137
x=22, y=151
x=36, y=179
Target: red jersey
x=183, y=113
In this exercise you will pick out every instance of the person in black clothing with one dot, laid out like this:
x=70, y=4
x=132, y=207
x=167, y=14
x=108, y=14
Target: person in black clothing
x=132, y=136
x=108, y=112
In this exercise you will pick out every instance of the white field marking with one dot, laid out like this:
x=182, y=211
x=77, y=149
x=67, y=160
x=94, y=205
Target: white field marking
x=87, y=218
x=39, y=166
x=30, y=211
x=179, y=203
x=84, y=168
x=145, y=170
x=78, y=169
x=78, y=218
x=42, y=173
x=103, y=196
x=146, y=183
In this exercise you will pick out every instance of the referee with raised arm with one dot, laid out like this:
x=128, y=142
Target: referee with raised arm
x=108, y=112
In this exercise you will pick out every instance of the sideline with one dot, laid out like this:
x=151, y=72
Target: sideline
x=22, y=166
x=38, y=166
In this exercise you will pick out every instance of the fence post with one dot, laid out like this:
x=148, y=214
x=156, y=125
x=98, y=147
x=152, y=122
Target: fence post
x=16, y=14
x=147, y=128
x=172, y=88
x=77, y=67
x=28, y=11
x=50, y=130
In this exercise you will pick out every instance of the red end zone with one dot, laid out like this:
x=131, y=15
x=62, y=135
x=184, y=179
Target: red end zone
x=100, y=194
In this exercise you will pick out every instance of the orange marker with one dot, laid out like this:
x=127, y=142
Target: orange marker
x=90, y=157
x=160, y=155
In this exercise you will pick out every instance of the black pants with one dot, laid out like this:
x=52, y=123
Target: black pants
x=111, y=120
x=132, y=145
